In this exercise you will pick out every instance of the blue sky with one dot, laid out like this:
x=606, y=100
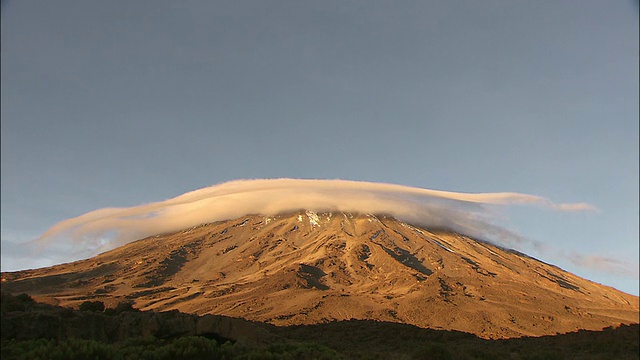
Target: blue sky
x=115, y=104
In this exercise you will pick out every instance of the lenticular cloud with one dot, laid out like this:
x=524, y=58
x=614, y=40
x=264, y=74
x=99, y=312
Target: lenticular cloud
x=469, y=214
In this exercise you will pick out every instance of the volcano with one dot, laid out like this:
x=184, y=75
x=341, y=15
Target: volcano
x=306, y=267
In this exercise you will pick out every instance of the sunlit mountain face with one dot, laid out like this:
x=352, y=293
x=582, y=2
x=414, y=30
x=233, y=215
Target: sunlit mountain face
x=307, y=267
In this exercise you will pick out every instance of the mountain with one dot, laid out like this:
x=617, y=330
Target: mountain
x=309, y=268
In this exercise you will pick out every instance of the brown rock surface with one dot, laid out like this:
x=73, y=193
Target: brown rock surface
x=307, y=268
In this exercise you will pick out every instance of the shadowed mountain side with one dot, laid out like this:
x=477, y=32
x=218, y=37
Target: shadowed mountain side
x=24, y=321
x=308, y=268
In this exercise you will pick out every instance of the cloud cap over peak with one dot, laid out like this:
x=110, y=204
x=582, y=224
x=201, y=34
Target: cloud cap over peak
x=467, y=213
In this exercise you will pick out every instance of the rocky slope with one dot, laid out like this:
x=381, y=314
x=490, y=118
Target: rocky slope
x=308, y=268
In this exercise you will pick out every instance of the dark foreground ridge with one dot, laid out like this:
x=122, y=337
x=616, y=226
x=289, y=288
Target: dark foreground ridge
x=34, y=330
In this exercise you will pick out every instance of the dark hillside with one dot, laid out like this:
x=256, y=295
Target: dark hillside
x=32, y=330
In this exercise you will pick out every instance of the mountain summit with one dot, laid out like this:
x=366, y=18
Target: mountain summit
x=306, y=267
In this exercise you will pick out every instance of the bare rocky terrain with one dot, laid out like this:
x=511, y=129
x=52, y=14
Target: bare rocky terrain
x=306, y=268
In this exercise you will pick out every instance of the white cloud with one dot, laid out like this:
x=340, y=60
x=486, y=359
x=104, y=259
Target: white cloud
x=470, y=214
x=609, y=265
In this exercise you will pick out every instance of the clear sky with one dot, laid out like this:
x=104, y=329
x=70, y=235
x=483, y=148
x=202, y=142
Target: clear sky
x=120, y=103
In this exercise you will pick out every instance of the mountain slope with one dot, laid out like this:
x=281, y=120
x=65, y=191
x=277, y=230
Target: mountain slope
x=306, y=268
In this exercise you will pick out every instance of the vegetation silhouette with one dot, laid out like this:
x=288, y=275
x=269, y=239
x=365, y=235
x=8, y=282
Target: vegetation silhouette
x=32, y=330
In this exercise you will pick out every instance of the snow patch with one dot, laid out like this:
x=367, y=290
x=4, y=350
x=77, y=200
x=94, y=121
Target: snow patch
x=440, y=244
x=314, y=220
